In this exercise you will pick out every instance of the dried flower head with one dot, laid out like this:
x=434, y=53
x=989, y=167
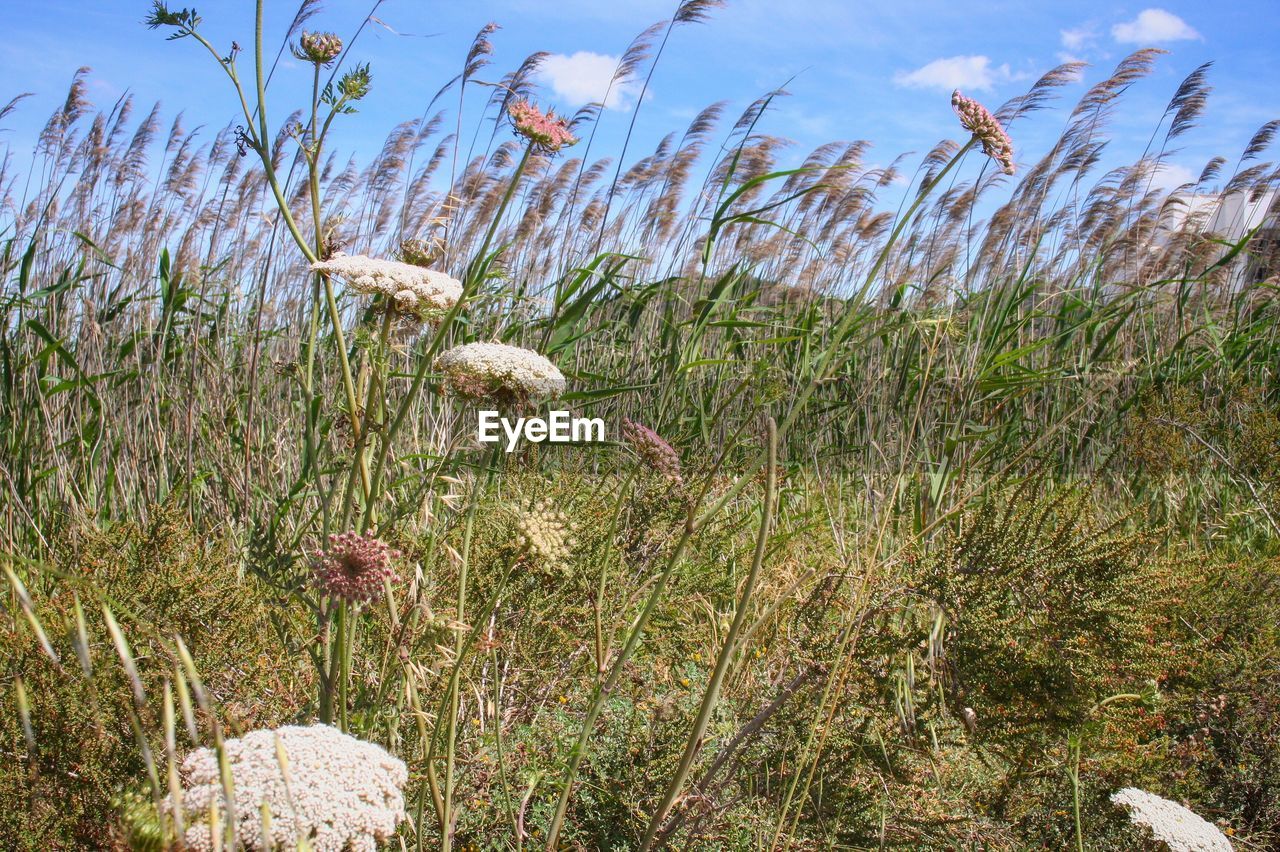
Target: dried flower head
x=545, y=131
x=979, y=121
x=321, y=786
x=354, y=567
x=422, y=252
x=652, y=449
x=413, y=291
x=500, y=373
x=1180, y=829
x=320, y=48
x=542, y=531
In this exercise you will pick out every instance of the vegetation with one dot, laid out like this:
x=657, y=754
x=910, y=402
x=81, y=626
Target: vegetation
x=932, y=524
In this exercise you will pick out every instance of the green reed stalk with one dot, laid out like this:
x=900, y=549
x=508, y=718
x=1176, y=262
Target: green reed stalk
x=448, y=814
x=471, y=283
x=257, y=136
x=728, y=649
x=693, y=523
x=605, y=562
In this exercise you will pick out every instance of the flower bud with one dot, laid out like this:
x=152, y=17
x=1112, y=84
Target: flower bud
x=320, y=48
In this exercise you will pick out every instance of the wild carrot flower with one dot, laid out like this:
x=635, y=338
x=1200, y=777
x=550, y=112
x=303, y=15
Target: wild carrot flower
x=420, y=252
x=354, y=567
x=545, y=131
x=414, y=291
x=320, y=48
x=321, y=786
x=501, y=373
x=1180, y=829
x=543, y=533
x=652, y=449
x=979, y=121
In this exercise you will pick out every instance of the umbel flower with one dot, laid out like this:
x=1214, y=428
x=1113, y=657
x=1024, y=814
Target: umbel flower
x=1180, y=829
x=979, y=121
x=652, y=449
x=414, y=291
x=545, y=131
x=422, y=252
x=321, y=786
x=543, y=533
x=320, y=48
x=499, y=373
x=354, y=567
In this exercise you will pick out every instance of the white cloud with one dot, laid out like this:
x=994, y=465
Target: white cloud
x=1074, y=40
x=1170, y=176
x=583, y=77
x=1153, y=26
x=956, y=72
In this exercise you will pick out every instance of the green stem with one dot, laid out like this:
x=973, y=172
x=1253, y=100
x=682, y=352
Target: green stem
x=712, y=694
x=605, y=564
x=837, y=336
x=343, y=661
x=379, y=364
x=445, y=806
x=469, y=286
x=692, y=524
x=1075, y=790
x=605, y=688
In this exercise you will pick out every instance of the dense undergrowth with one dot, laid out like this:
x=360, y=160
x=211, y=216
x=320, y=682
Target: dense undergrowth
x=959, y=516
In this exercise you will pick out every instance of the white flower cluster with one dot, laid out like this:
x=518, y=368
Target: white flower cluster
x=543, y=531
x=480, y=370
x=1170, y=823
x=335, y=792
x=414, y=289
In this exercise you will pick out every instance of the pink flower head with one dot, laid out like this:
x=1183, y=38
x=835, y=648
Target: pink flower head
x=354, y=567
x=320, y=48
x=651, y=449
x=979, y=121
x=545, y=131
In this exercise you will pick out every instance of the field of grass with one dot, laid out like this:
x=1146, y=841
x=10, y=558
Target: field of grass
x=937, y=504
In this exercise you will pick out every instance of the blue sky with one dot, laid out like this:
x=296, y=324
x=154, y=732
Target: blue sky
x=879, y=70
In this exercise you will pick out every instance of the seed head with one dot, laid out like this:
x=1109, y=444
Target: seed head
x=979, y=121
x=354, y=567
x=543, y=533
x=320, y=48
x=422, y=252
x=652, y=449
x=545, y=131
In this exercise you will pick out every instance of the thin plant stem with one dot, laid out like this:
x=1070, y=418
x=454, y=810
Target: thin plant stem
x=728, y=647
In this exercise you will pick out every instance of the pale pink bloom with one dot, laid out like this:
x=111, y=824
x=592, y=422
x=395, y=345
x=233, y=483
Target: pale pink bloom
x=546, y=131
x=320, y=48
x=979, y=121
x=652, y=449
x=354, y=567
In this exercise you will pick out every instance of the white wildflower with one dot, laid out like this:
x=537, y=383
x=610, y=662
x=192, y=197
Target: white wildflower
x=414, y=289
x=500, y=372
x=322, y=786
x=1170, y=823
x=543, y=532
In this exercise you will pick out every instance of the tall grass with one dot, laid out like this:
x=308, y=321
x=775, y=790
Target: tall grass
x=847, y=359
